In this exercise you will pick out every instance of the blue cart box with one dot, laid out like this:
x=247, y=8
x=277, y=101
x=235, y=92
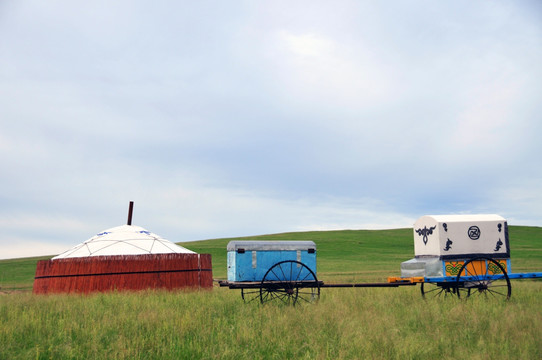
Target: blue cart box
x=250, y=260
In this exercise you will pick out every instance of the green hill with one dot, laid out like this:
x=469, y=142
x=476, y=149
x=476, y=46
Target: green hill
x=343, y=255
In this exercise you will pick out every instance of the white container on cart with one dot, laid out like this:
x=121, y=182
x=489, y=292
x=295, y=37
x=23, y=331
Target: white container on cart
x=443, y=242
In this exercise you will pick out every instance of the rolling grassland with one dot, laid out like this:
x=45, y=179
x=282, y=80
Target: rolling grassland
x=372, y=323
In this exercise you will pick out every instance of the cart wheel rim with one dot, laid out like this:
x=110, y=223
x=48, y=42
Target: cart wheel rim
x=289, y=282
x=481, y=282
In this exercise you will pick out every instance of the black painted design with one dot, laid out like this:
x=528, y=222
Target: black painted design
x=425, y=232
x=448, y=245
x=445, y=226
x=474, y=232
x=500, y=227
x=498, y=245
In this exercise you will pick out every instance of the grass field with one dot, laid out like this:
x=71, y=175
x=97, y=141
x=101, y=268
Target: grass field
x=345, y=324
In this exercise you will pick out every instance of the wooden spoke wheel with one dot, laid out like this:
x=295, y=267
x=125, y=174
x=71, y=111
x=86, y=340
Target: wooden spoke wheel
x=484, y=277
x=438, y=290
x=289, y=282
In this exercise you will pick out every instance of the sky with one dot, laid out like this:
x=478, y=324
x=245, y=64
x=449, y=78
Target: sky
x=238, y=118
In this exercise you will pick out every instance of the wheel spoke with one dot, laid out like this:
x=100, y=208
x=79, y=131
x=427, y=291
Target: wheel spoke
x=299, y=272
x=282, y=297
x=283, y=275
x=250, y=295
x=309, y=299
x=464, y=291
x=493, y=292
x=437, y=290
x=306, y=276
x=276, y=276
x=264, y=297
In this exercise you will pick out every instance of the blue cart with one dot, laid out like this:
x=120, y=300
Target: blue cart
x=283, y=271
x=280, y=271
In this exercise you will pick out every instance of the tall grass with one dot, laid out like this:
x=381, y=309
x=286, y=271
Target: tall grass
x=345, y=324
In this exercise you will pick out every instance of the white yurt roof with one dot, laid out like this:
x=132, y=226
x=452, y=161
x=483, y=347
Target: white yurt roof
x=124, y=240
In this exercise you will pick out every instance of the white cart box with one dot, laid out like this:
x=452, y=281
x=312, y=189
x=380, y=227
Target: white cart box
x=461, y=236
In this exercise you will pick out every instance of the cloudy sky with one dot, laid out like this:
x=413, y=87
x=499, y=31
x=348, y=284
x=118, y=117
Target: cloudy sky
x=231, y=118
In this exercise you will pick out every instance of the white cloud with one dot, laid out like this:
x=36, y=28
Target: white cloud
x=330, y=72
x=191, y=212
x=308, y=47
x=29, y=247
x=41, y=222
x=229, y=120
x=518, y=199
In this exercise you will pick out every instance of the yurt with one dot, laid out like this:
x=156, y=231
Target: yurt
x=125, y=257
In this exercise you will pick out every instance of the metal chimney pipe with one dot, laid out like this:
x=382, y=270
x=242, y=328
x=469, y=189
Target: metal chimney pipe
x=130, y=211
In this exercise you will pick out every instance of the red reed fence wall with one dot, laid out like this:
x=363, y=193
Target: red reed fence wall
x=123, y=272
